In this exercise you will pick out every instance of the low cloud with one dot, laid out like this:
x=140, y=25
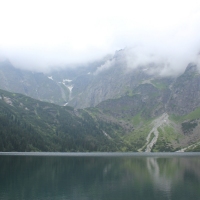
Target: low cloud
x=161, y=61
x=165, y=61
x=108, y=64
x=64, y=34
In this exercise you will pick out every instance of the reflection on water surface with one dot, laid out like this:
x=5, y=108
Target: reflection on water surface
x=99, y=177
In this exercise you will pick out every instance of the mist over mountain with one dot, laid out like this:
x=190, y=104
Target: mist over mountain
x=88, y=85
x=131, y=69
x=71, y=33
x=143, y=107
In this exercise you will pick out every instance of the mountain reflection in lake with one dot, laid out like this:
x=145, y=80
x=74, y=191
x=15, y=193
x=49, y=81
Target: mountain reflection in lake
x=99, y=177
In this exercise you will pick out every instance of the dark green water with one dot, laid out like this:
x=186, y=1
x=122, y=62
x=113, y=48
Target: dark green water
x=100, y=176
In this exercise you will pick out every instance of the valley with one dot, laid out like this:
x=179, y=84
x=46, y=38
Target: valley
x=101, y=106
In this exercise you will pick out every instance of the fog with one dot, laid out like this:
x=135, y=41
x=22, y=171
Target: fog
x=44, y=35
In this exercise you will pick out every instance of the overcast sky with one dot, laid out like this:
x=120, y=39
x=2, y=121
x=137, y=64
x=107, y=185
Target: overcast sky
x=37, y=34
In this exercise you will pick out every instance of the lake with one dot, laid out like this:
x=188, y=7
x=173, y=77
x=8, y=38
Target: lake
x=99, y=176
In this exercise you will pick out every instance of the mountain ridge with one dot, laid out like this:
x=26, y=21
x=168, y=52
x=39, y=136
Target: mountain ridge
x=122, y=104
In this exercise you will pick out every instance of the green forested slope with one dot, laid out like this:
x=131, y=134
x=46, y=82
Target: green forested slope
x=31, y=125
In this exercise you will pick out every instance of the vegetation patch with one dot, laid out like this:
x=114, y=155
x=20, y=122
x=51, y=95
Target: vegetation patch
x=159, y=84
x=137, y=138
x=162, y=145
x=166, y=136
x=187, y=127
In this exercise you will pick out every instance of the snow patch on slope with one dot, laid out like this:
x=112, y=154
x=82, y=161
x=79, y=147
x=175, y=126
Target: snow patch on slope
x=70, y=88
x=66, y=80
x=50, y=77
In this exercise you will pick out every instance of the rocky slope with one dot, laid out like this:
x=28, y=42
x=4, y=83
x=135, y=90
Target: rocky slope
x=185, y=92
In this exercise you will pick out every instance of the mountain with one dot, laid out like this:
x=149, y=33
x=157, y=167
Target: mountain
x=165, y=112
x=118, y=108
x=81, y=86
x=60, y=86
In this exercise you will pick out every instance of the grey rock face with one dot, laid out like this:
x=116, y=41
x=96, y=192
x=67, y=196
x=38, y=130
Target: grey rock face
x=185, y=94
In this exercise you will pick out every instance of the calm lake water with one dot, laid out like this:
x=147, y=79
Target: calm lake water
x=103, y=176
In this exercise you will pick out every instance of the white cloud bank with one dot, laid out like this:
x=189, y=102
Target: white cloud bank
x=40, y=34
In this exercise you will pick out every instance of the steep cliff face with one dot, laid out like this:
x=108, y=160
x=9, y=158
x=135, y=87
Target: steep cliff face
x=185, y=92
x=113, y=79
x=157, y=95
x=110, y=84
